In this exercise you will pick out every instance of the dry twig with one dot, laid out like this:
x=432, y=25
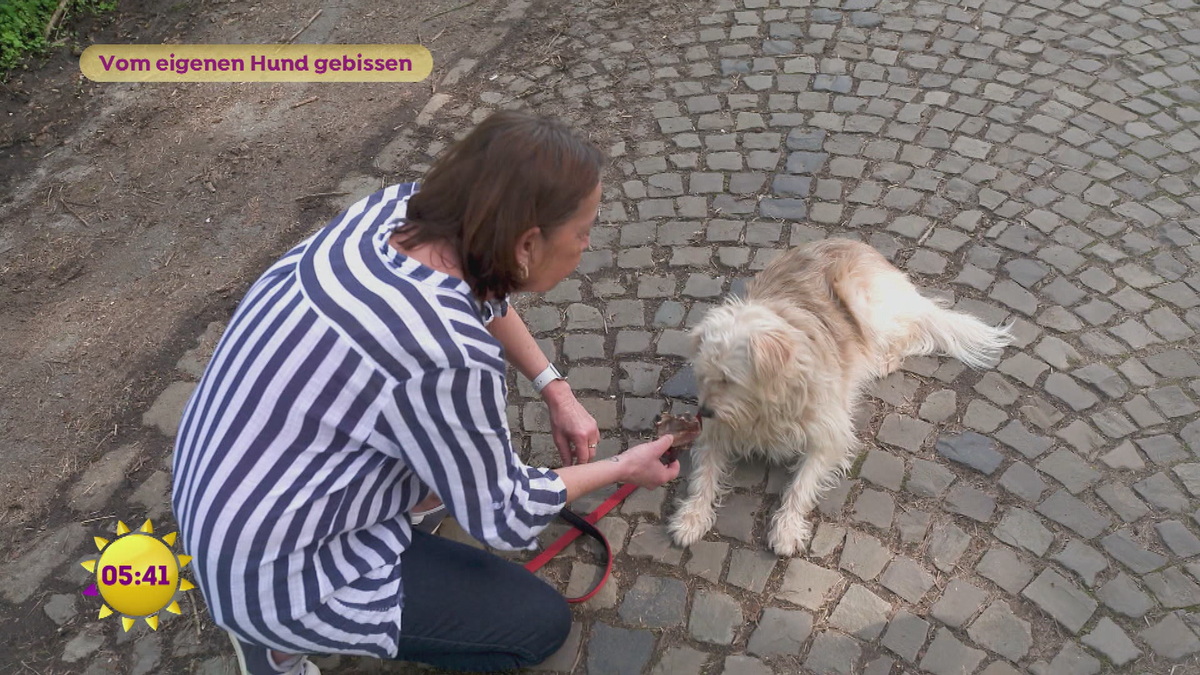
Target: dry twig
x=310, y=22
x=74, y=212
x=318, y=195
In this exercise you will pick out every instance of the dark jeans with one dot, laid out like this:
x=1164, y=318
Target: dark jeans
x=468, y=610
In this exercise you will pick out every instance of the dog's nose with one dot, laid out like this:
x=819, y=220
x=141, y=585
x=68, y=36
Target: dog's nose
x=704, y=411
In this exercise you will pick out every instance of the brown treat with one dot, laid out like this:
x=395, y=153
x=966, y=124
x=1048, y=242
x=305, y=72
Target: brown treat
x=683, y=431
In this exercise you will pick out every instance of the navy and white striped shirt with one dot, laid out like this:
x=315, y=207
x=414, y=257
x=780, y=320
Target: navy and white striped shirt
x=349, y=379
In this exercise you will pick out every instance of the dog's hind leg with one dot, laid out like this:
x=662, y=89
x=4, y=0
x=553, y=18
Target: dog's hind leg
x=697, y=513
x=830, y=449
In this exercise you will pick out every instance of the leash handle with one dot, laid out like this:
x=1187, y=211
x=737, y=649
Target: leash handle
x=584, y=525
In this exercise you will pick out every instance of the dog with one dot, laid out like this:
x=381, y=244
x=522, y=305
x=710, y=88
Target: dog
x=780, y=372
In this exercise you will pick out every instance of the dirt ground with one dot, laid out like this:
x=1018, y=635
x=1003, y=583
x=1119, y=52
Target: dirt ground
x=132, y=215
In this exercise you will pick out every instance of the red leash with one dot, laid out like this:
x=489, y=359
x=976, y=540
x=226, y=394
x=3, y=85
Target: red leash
x=584, y=525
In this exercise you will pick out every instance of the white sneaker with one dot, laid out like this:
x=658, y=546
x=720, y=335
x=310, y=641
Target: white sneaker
x=255, y=660
x=429, y=521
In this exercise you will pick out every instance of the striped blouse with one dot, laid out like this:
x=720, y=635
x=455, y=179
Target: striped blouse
x=350, y=381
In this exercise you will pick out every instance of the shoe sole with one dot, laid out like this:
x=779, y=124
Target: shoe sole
x=310, y=668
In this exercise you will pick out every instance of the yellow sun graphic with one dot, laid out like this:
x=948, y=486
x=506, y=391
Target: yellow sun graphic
x=137, y=575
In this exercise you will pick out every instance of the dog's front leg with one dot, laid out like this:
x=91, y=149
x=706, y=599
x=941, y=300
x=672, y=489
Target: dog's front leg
x=697, y=513
x=829, y=450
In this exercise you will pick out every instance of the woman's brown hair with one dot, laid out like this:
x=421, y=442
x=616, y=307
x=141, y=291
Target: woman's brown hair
x=513, y=172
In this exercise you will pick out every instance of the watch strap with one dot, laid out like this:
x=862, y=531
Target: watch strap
x=547, y=376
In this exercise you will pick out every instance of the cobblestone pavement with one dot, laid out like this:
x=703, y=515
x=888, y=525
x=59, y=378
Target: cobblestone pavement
x=1031, y=160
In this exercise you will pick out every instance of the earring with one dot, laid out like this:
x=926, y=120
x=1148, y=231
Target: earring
x=523, y=272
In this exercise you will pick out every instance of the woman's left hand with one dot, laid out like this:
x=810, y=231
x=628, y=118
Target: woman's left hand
x=574, y=429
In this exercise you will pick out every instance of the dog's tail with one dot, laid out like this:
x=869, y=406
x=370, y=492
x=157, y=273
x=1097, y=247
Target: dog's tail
x=964, y=337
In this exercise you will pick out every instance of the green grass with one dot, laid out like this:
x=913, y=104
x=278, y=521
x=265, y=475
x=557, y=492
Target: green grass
x=23, y=26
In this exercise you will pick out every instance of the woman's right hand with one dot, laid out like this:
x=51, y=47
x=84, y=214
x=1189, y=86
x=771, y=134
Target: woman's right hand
x=643, y=464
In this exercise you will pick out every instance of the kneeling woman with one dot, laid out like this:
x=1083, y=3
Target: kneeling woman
x=363, y=375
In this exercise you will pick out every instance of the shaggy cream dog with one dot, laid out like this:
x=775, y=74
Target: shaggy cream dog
x=781, y=371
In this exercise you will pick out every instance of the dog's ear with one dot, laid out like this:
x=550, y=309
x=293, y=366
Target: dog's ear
x=771, y=351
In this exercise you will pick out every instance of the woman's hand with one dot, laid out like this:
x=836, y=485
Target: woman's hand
x=575, y=431
x=643, y=464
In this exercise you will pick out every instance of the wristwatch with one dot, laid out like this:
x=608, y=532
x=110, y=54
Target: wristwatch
x=547, y=376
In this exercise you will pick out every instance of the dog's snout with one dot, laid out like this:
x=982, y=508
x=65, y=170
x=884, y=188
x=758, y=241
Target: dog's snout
x=704, y=411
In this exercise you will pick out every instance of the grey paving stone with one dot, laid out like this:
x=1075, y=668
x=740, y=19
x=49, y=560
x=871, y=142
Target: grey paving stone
x=928, y=479
x=939, y=406
x=1108, y=639
x=908, y=579
x=1069, y=391
x=1162, y=449
x=826, y=540
x=946, y=546
x=1173, y=588
x=1103, y=378
x=745, y=665
x=707, y=559
x=971, y=449
x=651, y=540
x=1162, y=493
x=1061, y=599
x=619, y=651
x=883, y=469
x=999, y=630
x=750, y=569
x=1189, y=475
x=1072, y=660
x=1073, y=514
x=833, y=653
x=1173, y=401
x=999, y=668
x=715, y=618
x=959, y=602
x=780, y=631
x=735, y=518
x=1069, y=469
x=1025, y=530
x=875, y=508
x=1113, y=423
x=1122, y=501
x=863, y=555
x=947, y=656
x=860, y=613
x=1171, y=638
x=983, y=416
x=1123, y=595
x=1016, y=436
x=1005, y=568
x=26, y=573
x=970, y=502
x=1083, y=560
x=680, y=661
x=896, y=389
x=904, y=432
x=906, y=635
x=1021, y=480
x=807, y=585
x=60, y=608
x=654, y=602
x=912, y=525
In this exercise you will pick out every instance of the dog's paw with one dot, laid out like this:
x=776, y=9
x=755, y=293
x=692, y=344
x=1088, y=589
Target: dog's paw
x=689, y=526
x=789, y=536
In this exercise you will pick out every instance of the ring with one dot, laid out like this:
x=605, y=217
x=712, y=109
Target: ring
x=592, y=445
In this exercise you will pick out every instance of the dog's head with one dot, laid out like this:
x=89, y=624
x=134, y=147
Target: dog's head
x=746, y=359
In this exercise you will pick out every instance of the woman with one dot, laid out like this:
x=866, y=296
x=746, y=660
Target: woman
x=363, y=375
